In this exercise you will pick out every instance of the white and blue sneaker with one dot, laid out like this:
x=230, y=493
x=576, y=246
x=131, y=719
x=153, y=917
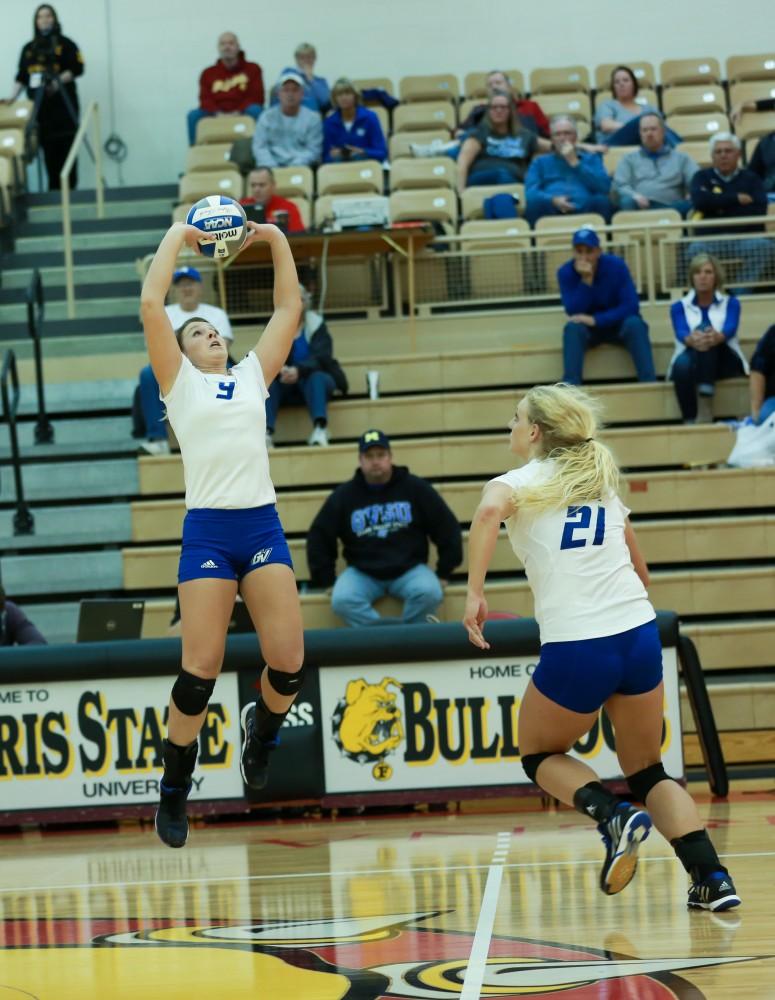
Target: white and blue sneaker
x=715, y=893
x=622, y=835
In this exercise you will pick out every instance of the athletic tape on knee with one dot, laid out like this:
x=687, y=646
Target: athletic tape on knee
x=284, y=683
x=190, y=694
x=643, y=781
x=531, y=762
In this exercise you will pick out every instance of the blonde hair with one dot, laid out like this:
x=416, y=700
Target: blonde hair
x=585, y=470
x=699, y=261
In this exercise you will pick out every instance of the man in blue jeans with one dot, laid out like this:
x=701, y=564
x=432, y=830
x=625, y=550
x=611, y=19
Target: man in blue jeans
x=602, y=306
x=384, y=516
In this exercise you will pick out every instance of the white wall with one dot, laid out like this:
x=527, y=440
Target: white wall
x=159, y=47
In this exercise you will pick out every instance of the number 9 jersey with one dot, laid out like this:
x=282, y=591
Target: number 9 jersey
x=577, y=563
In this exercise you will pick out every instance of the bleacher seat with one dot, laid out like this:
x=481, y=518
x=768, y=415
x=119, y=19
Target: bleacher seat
x=473, y=198
x=562, y=80
x=698, y=150
x=12, y=148
x=202, y=183
x=427, y=205
x=468, y=106
x=577, y=105
x=424, y=115
x=426, y=172
x=691, y=100
x=210, y=157
x=475, y=84
x=224, y=128
x=692, y=127
x=643, y=71
x=292, y=181
x=305, y=211
x=636, y=223
x=350, y=178
x=681, y=72
x=6, y=185
x=740, y=68
x=400, y=143
x=374, y=83
x=614, y=154
x=755, y=124
x=384, y=118
x=15, y=115
x=435, y=87
x=751, y=90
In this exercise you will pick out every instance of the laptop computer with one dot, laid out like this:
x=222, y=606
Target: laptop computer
x=105, y=620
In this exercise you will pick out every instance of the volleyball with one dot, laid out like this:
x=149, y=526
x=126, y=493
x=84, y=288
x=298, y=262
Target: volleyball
x=222, y=220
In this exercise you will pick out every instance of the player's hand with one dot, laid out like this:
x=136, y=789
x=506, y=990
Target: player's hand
x=745, y=199
x=261, y=232
x=193, y=237
x=563, y=204
x=474, y=618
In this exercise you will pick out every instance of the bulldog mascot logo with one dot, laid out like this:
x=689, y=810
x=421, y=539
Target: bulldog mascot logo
x=367, y=724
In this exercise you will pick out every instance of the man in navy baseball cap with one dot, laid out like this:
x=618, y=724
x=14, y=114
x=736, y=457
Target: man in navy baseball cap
x=186, y=272
x=602, y=304
x=373, y=439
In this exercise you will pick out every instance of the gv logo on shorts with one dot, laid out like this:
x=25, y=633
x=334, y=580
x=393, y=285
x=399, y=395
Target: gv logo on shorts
x=260, y=557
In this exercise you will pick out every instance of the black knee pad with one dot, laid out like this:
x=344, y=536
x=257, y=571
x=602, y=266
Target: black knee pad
x=531, y=762
x=643, y=781
x=190, y=694
x=284, y=683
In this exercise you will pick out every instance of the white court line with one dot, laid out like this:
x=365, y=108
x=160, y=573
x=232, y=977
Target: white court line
x=576, y=863
x=477, y=960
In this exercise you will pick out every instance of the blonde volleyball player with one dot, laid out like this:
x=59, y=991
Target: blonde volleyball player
x=232, y=537
x=599, y=640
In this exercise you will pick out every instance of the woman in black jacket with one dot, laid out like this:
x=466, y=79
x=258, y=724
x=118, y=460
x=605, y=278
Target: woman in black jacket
x=48, y=66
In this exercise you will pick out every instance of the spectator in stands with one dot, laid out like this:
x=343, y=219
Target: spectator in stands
x=763, y=378
x=15, y=627
x=620, y=109
x=384, y=516
x=567, y=180
x=528, y=112
x=656, y=175
x=232, y=86
x=705, y=323
x=351, y=132
x=188, y=286
x=48, y=66
x=263, y=194
x=602, y=306
x=317, y=96
x=288, y=135
x=499, y=149
x=762, y=163
x=311, y=375
x=728, y=191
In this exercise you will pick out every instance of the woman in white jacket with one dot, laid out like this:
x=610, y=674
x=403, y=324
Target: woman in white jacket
x=705, y=323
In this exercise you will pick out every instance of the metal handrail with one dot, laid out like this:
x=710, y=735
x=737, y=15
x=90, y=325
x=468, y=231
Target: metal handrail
x=44, y=432
x=23, y=521
x=92, y=113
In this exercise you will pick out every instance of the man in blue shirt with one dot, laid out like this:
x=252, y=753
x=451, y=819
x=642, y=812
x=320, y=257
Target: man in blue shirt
x=602, y=306
x=567, y=180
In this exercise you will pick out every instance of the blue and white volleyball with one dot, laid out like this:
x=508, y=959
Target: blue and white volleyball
x=223, y=224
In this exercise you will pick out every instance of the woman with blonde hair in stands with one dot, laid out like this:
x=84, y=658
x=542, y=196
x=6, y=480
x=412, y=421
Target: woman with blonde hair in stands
x=599, y=639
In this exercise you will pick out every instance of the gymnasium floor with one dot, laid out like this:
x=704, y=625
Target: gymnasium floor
x=417, y=906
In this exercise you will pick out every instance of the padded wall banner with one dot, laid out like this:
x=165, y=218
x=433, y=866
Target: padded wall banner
x=98, y=743
x=450, y=724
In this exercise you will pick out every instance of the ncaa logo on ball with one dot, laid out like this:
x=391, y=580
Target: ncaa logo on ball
x=223, y=225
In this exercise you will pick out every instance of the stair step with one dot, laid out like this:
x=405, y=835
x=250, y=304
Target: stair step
x=60, y=527
x=127, y=325
x=63, y=573
x=20, y=278
x=72, y=480
x=113, y=210
x=97, y=308
x=128, y=193
x=84, y=290
x=78, y=397
x=123, y=224
x=91, y=436
x=103, y=240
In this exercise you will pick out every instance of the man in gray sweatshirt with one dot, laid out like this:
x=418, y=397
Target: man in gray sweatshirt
x=288, y=135
x=655, y=175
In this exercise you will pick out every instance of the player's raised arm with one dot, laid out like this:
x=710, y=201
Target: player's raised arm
x=163, y=349
x=274, y=344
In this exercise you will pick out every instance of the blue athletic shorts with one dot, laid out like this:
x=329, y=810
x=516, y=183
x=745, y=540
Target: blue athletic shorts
x=228, y=544
x=582, y=675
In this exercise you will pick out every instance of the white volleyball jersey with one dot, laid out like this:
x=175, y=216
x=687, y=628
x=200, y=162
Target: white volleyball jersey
x=578, y=564
x=220, y=424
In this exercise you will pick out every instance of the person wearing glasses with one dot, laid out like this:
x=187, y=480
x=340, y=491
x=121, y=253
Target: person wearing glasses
x=499, y=150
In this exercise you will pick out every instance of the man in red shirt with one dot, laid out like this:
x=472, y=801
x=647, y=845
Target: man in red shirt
x=233, y=86
x=263, y=192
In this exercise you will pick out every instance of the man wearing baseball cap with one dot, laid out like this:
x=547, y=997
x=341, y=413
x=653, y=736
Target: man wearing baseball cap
x=602, y=304
x=384, y=517
x=288, y=135
x=147, y=407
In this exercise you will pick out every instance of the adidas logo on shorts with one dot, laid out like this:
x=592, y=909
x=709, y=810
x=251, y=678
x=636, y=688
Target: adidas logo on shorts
x=209, y=565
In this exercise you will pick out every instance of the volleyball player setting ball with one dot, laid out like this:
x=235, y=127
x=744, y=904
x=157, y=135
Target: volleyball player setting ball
x=599, y=639
x=232, y=536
